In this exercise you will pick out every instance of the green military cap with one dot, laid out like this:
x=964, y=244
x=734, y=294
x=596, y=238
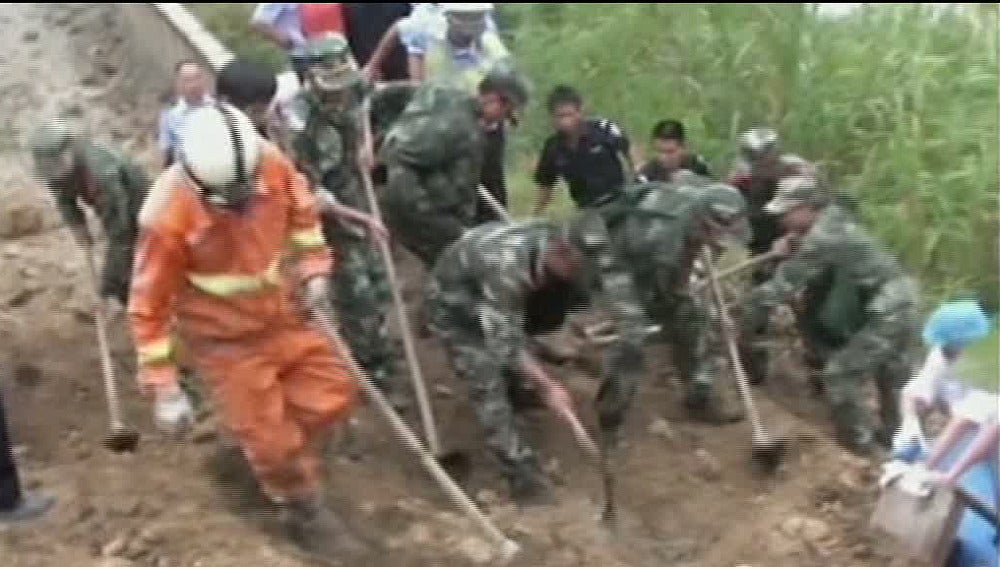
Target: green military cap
x=331, y=63
x=795, y=191
x=51, y=139
x=504, y=78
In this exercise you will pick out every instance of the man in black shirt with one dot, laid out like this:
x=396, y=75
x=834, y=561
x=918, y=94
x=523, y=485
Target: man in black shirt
x=672, y=154
x=591, y=155
x=367, y=23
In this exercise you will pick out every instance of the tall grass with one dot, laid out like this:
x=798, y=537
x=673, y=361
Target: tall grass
x=897, y=102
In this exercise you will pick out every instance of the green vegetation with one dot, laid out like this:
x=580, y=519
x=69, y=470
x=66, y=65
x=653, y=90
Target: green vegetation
x=898, y=103
x=231, y=25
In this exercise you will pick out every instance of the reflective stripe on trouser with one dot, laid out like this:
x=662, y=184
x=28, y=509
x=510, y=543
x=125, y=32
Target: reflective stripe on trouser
x=277, y=393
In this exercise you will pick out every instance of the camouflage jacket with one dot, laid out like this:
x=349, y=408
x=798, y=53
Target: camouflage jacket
x=491, y=272
x=111, y=184
x=440, y=125
x=867, y=276
x=651, y=227
x=326, y=148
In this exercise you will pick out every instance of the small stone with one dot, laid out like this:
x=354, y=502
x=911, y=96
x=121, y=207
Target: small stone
x=116, y=547
x=487, y=497
x=862, y=552
x=815, y=531
x=419, y=534
x=83, y=453
x=150, y=536
x=476, y=550
x=442, y=391
x=163, y=562
x=662, y=428
x=136, y=550
x=85, y=513
x=709, y=467
x=792, y=526
x=30, y=36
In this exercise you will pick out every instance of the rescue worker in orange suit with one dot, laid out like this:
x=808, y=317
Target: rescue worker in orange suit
x=213, y=265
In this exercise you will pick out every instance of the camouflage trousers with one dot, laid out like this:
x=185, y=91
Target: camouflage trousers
x=686, y=327
x=422, y=222
x=885, y=348
x=360, y=288
x=491, y=379
x=116, y=274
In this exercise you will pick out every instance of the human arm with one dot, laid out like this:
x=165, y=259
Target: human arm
x=389, y=41
x=546, y=175
x=264, y=21
x=983, y=447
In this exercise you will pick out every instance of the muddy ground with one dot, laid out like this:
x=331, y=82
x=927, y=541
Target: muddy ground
x=687, y=494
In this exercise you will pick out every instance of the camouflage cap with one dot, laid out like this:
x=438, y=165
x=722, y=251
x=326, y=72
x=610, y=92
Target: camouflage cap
x=504, y=78
x=795, y=191
x=757, y=142
x=722, y=203
x=331, y=63
x=51, y=139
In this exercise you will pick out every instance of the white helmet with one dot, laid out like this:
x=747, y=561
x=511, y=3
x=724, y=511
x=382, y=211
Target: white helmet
x=466, y=8
x=220, y=152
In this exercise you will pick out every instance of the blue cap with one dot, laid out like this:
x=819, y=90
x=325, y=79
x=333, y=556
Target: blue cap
x=957, y=324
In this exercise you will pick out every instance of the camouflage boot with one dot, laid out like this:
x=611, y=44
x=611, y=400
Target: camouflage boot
x=529, y=485
x=710, y=405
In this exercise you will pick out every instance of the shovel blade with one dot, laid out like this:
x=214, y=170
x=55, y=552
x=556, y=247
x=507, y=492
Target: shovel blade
x=768, y=455
x=122, y=441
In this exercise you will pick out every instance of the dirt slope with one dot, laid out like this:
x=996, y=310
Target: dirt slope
x=687, y=495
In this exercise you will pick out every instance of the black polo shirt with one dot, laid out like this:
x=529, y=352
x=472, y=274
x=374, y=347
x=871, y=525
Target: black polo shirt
x=592, y=169
x=366, y=24
x=694, y=163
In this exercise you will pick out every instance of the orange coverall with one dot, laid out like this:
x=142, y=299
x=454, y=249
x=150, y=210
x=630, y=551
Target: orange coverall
x=216, y=279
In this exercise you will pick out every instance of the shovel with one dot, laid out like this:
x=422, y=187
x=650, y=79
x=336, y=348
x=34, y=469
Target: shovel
x=120, y=438
x=506, y=547
x=456, y=463
x=765, y=451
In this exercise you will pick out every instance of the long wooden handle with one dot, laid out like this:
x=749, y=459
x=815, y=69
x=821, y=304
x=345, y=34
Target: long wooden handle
x=107, y=367
x=493, y=203
x=728, y=330
x=745, y=264
x=409, y=345
x=508, y=548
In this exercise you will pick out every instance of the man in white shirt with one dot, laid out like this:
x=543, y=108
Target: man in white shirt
x=192, y=87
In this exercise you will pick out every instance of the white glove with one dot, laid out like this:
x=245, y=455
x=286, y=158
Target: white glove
x=915, y=479
x=316, y=294
x=909, y=433
x=891, y=472
x=173, y=413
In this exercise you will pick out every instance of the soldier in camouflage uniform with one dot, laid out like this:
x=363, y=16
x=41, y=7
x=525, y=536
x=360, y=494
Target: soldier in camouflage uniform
x=330, y=148
x=79, y=172
x=434, y=154
x=869, y=306
x=761, y=167
x=480, y=298
x=659, y=231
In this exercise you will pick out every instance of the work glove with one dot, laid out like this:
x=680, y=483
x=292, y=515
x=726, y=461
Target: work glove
x=909, y=440
x=316, y=295
x=173, y=413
